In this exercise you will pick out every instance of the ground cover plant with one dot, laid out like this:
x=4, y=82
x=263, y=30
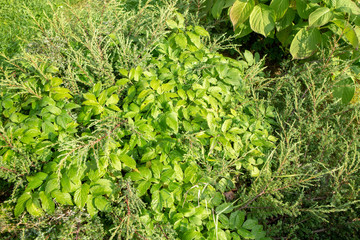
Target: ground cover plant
x=120, y=120
x=17, y=27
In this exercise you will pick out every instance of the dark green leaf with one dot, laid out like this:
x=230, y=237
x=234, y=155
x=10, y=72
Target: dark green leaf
x=250, y=223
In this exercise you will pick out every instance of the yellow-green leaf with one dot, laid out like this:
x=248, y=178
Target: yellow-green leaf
x=240, y=11
x=262, y=19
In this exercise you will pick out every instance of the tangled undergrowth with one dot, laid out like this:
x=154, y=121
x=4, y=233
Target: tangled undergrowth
x=126, y=123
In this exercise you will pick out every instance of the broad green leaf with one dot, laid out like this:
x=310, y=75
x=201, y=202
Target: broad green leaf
x=320, y=16
x=101, y=187
x=304, y=8
x=201, y=31
x=280, y=7
x=249, y=224
x=172, y=121
x=50, y=167
x=46, y=202
x=155, y=84
x=190, y=174
x=286, y=21
x=47, y=127
x=344, y=90
x=52, y=69
x=63, y=119
x=258, y=232
x=91, y=103
x=236, y=219
x=224, y=208
x=59, y=95
x=171, y=24
x=249, y=57
x=55, y=81
x=347, y=6
x=48, y=101
x=178, y=172
x=71, y=106
x=181, y=40
x=195, y=39
x=102, y=203
x=38, y=176
x=33, y=207
x=8, y=103
x=115, y=161
x=161, y=199
x=167, y=175
x=348, y=32
x=284, y=36
x=305, y=43
x=35, y=183
x=156, y=167
x=65, y=183
x=143, y=187
x=61, y=197
x=97, y=88
x=166, y=198
x=193, y=235
x=245, y=233
x=81, y=195
x=18, y=117
x=128, y=161
x=156, y=202
x=211, y=121
x=54, y=110
x=90, y=207
x=262, y=19
x=102, y=97
x=145, y=173
x=51, y=185
x=180, y=19
x=243, y=29
x=113, y=99
x=33, y=132
x=241, y=11
x=254, y=172
x=235, y=236
x=217, y=8
x=90, y=96
x=20, y=204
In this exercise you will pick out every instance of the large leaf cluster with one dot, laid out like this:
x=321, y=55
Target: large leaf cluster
x=301, y=24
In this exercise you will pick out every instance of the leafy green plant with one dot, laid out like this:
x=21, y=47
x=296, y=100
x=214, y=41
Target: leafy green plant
x=309, y=185
x=181, y=131
x=301, y=24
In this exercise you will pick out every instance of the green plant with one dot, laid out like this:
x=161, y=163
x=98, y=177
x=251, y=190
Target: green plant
x=302, y=24
x=181, y=131
x=17, y=25
x=310, y=184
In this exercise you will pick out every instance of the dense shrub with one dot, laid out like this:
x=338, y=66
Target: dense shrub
x=126, y=123
x=175, y=135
